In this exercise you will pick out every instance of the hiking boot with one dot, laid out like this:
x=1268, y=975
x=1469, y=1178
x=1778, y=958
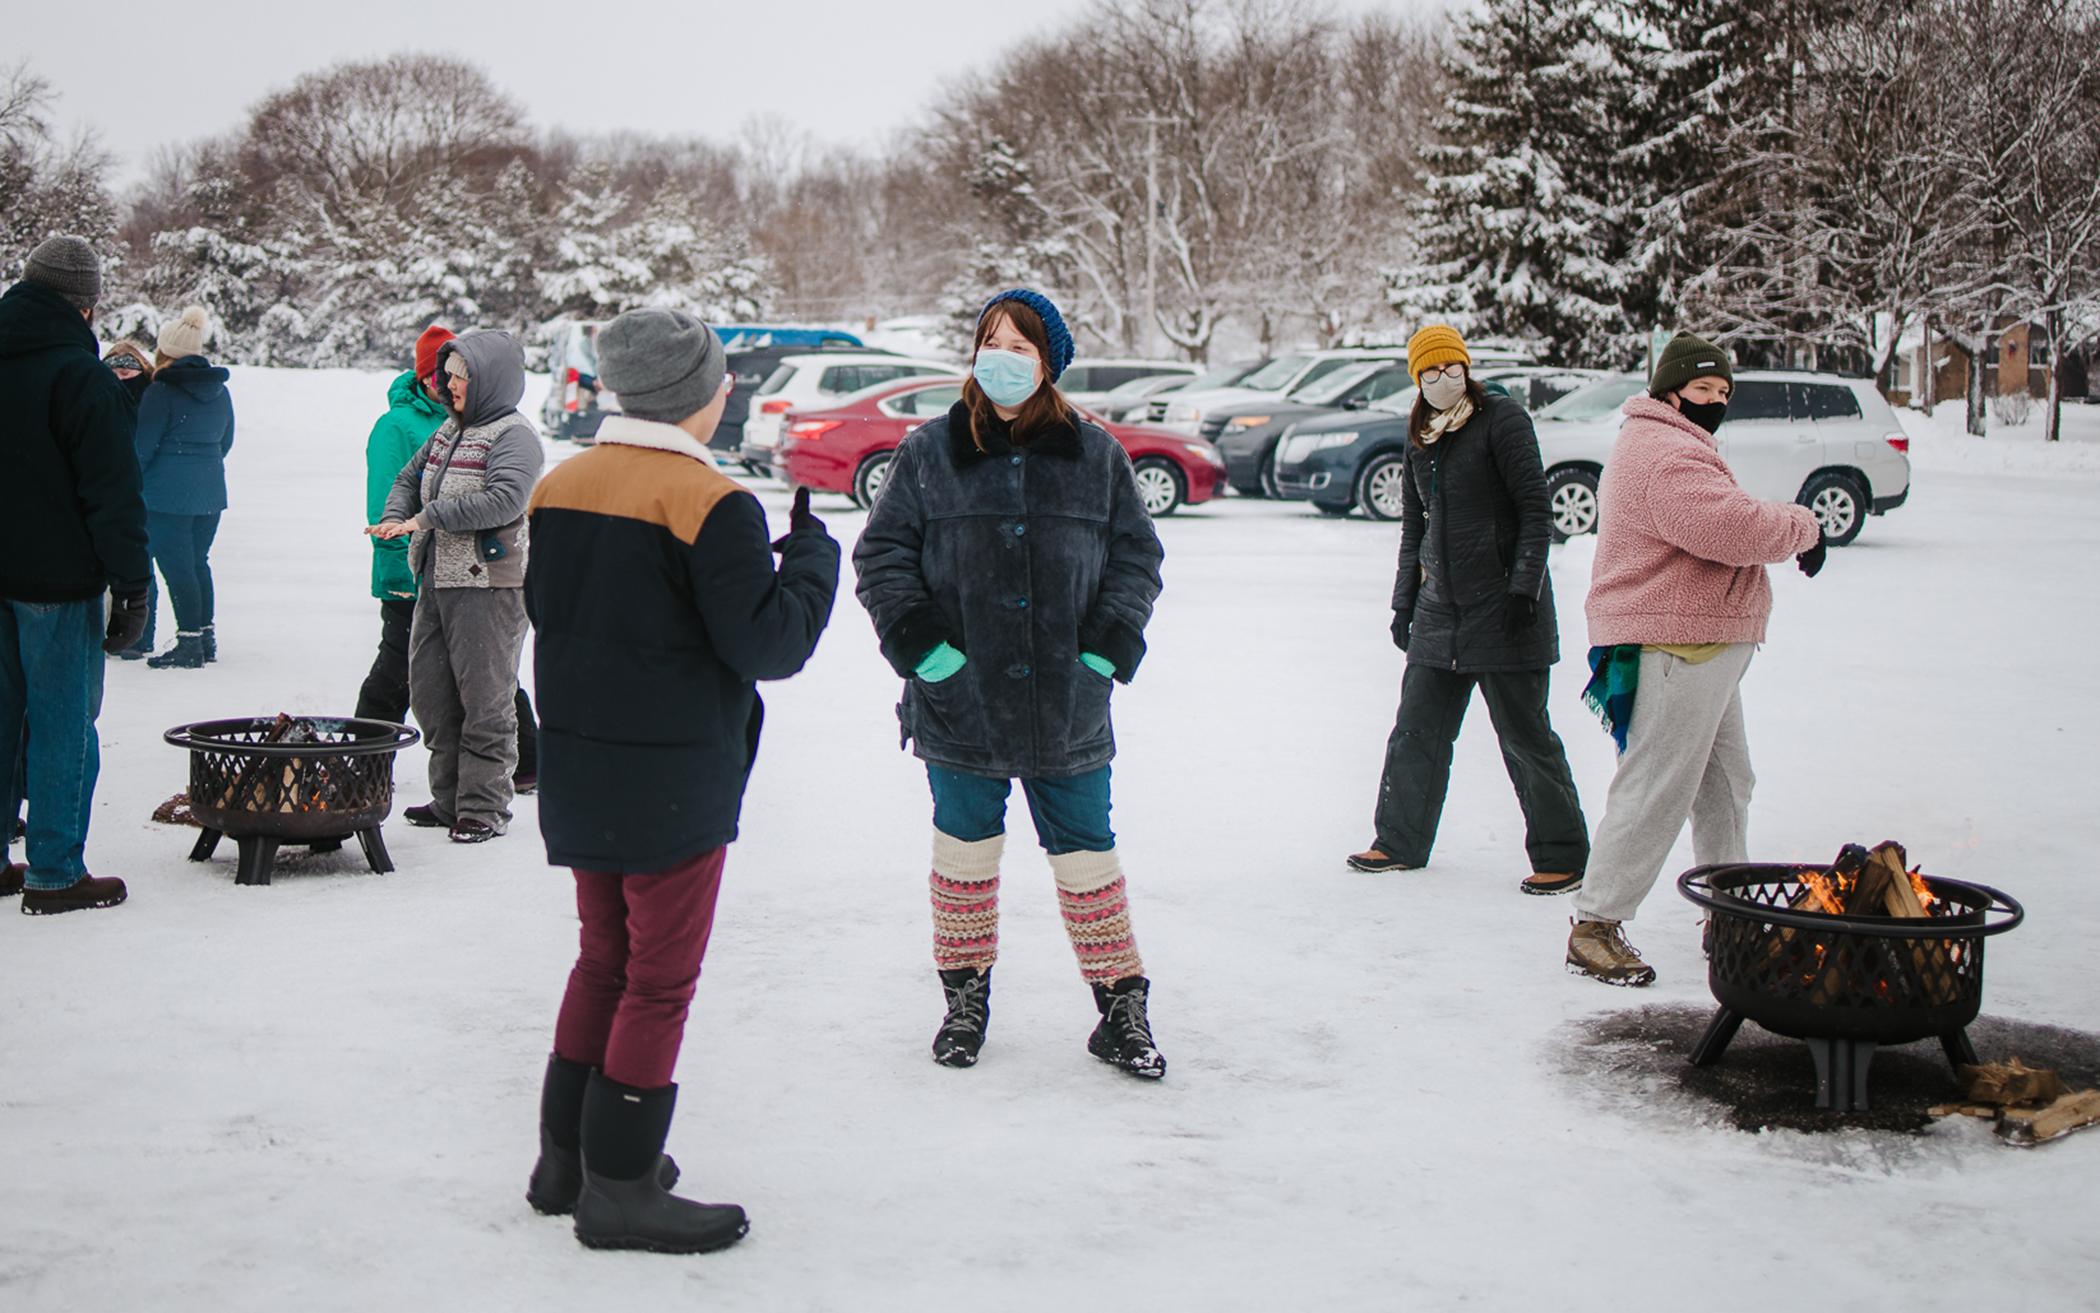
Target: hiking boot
x=524, y=782
x=961, y=1034
x=211, y=643
x=623, y=1203
x=187, y=654
x=1548, y=883
x=468, y=830
x=557, y=1178
x=1598, y=949
x=11, y=879
x=425, y=817
x=88, y=891
x=1375, y=862
x=1124, y=1037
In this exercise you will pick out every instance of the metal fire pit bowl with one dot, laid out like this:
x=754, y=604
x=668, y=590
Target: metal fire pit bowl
x=1842, y=984
x=335, y=785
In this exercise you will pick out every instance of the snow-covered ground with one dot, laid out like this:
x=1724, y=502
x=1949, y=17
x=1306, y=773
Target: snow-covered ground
x=321, y=1095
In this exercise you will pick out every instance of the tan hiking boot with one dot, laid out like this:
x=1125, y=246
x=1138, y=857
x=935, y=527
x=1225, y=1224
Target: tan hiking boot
x=1598, y=949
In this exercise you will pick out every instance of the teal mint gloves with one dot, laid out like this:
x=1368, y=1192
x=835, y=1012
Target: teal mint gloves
x=1100, y=665
x=938, y=664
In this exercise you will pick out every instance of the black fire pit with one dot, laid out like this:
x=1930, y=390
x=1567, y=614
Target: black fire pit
x=312, y=781
x=1842, y=984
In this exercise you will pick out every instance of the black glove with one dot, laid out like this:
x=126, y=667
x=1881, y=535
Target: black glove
x=1402, y=622
x=1519, y=613
x=127, y=620
x=1811, y=560
x=799, y=520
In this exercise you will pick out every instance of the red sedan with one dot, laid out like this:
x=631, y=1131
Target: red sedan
x=847, y=447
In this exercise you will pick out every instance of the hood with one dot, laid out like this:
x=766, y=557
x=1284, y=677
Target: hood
x=495, y=374
x=195, y=377
x=408, y=393
x=35, y=318
x=1642, y=407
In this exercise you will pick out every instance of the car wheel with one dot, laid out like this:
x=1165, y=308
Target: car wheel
x=869, y=478
x=1159, y=486
x=1268, y=476
x=1840, y=505
x=1571, y=495
x=1381, y=489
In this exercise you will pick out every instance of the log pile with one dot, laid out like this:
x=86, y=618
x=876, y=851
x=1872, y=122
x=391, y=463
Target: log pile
x=2029, y=1104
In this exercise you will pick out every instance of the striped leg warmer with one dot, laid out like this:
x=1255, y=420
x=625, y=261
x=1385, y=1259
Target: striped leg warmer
x=965, y=884
x=1092, y=896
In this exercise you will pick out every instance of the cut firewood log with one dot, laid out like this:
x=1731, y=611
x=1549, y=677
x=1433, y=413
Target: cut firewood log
x=2009, y=1084
x=2038, y=1126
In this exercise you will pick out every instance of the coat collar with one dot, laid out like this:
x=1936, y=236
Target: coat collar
x=627, y=431
x=1060, y=440
x=1644, y=407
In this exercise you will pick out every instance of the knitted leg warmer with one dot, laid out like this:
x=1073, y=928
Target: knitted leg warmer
x=1093, y=898
x=965, y=885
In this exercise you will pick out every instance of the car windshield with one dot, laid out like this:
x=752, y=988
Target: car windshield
x=1596, y=401
x=1327, y=390
x=1222, y=378
x=1276, y=373
x=1138, y=389
x=1400, y=403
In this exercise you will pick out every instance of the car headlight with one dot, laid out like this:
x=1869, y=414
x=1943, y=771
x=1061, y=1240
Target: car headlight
x=1301, y=445
x=1183, y=415
x=1206, y=453
x=1247, y=421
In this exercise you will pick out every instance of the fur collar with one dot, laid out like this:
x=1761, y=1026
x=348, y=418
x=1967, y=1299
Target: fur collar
x=627, y=431
x=1061, y=440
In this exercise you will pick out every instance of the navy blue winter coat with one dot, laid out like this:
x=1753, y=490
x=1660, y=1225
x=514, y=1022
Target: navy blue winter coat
x=185, y=430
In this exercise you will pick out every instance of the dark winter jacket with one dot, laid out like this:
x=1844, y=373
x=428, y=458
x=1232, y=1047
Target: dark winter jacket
x=412, y=415
x=72, y=522
x=656, y=604
x=471, y=481
x=185, y=430
x=1475, y=526
x=1021, y=559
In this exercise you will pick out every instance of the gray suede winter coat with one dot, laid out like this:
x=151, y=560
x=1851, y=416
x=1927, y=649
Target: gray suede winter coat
x=1021, y=558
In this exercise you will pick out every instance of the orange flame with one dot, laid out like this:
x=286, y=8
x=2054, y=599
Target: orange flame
x=1925, y=895
x=1821, y=895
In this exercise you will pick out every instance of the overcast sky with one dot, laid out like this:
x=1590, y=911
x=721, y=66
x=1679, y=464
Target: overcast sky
x=847, y=71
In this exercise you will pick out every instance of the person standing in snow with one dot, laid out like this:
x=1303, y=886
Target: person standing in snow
x=462, y=498
x=72, y=532
x=1473, y=605
x=133, y=366
x=1010, y=570
x=185, y=429
x=657, y=608
x=1678, y=603
x=415, y=410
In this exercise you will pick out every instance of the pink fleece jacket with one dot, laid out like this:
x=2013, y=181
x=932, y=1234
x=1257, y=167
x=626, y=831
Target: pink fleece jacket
x=1681, y=548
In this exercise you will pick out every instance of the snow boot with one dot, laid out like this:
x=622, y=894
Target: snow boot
x=89, y=891
x=11, y=879
x=623, y=1204
x=1124, y=1037
x=1374, y=861
x=557, y=1178
x=211, y=643
x=187, y=654
x=1598, y=949
x=425, y=816
x=468, y=830
x=961, y=1035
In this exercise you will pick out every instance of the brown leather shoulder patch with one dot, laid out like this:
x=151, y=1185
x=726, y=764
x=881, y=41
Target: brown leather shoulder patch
x=663, y=488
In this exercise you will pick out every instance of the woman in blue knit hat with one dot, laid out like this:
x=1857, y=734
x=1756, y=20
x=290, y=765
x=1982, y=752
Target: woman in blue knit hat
x=1010, y=569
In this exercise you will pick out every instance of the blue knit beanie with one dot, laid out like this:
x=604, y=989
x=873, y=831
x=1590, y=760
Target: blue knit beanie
x=1053, y=324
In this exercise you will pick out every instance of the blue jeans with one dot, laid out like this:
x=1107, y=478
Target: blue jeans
x=50, y=693
x=1071, y=814
x=181, y=546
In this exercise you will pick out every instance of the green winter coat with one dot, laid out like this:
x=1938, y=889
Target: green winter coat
x=411, y=417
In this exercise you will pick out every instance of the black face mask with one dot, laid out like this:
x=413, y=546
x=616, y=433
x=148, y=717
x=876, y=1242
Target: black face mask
x=1706, y=414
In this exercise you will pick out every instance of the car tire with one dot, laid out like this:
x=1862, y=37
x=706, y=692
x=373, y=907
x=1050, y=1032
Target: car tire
x=1840, y=505
x=1379, y=487
x=869, y=478
x=1571, y=498
x=1161, y=489
x=1267, y=476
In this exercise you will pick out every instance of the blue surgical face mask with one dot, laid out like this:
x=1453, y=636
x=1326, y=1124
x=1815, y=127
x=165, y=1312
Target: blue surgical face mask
x=1007, y=377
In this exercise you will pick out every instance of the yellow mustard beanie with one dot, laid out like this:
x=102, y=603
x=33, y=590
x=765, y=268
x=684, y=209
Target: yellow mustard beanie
x=1433, y=345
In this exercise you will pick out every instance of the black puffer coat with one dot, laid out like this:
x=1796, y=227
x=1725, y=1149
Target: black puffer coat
x=1021, y=559
x=1474, y=529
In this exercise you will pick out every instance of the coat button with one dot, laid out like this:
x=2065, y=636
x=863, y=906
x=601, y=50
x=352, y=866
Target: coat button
x=1020, y=604
x=1020, y=529
x=1017, y=460
x=1018, y=672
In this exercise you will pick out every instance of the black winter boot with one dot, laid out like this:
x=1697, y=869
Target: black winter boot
x=211, y=643
x=187, y=654
x=969, y=1015
x=623, y=1205
x=1124, y=1037
x=557, y=1178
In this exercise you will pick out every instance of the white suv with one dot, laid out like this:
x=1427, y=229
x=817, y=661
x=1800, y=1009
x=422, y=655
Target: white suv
x=1184, y=411
x=1830, y=443
x=820, y=378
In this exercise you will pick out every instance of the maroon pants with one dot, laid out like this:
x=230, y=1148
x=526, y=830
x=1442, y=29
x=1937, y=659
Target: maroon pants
x=642, y=941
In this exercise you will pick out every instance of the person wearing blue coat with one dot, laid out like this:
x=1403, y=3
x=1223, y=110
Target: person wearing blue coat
x=185, y=430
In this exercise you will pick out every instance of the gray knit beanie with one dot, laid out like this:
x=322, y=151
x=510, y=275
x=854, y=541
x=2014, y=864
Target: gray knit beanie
x=663, y=365
x=67, y=265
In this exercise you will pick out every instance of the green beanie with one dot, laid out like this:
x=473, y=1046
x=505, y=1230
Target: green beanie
x=1686, y=358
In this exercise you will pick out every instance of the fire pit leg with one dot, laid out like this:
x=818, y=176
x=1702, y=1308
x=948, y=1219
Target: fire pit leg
x=258, y=855
x=1960, y=1053
x=207, y=844
x=375, y=850
x=1841, y=1072
x=1720, y=1032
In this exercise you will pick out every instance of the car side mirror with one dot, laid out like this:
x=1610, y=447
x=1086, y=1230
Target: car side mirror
x=1356, y=403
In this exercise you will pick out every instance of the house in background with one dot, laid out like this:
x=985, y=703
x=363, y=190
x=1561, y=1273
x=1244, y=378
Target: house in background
x=2019, y=363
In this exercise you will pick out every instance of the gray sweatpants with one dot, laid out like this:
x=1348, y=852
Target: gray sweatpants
x=1685, y=752
x=462, y=683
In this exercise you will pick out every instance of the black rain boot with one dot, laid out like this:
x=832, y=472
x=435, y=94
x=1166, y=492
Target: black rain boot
x=969, y=1015
x=623, y=1204
x=187, y=654
x=1124, y=1037
x=557, y=1178
x=211, y=644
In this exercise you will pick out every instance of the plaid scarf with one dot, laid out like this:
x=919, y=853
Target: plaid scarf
x=1615, y=673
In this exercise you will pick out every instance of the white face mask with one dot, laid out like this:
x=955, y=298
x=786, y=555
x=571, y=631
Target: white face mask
x=1444, y=393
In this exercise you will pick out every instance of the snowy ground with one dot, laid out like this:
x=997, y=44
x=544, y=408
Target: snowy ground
x=321, y=1095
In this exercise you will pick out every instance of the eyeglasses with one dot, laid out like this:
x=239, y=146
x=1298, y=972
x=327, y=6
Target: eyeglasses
x=1435, y=372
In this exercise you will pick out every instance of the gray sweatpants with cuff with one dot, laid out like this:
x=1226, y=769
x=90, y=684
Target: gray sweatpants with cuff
x=463, y=651
x=1686, y=752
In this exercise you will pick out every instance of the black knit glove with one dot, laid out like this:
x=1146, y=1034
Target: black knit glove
x=1811, y=560
x=1402, y=622
x=799, y=519
x=127, y=620
x=1519, y=613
